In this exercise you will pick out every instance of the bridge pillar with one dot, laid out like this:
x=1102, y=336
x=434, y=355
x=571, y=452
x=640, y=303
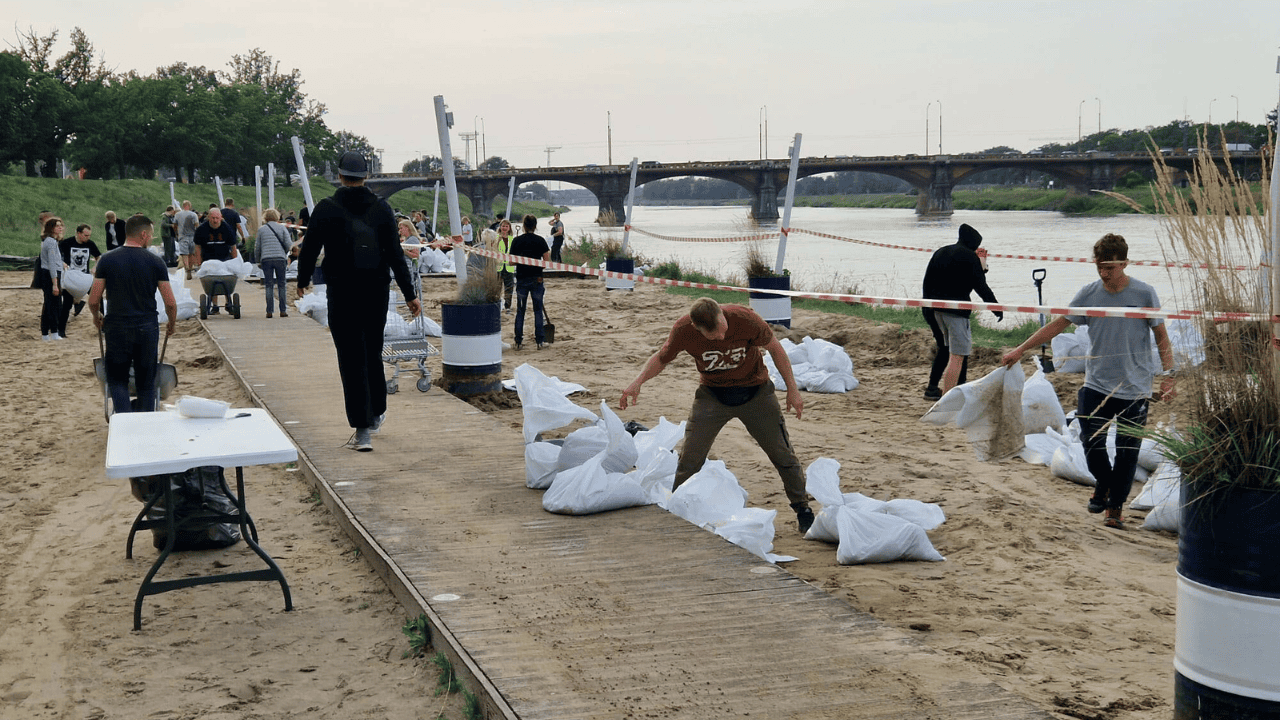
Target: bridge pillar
x=936, y=198
x=764, y=206
x=481, y=199
x=1101, y=177
x=612, y=191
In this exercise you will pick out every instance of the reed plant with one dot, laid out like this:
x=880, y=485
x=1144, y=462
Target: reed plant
x=483, y=284
x=1232, y=436
x=755, y=262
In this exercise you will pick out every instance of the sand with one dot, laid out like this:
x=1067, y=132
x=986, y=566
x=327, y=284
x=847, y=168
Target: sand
x=1035, y=593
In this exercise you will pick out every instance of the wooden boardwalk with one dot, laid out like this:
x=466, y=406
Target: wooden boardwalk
x=628, y=614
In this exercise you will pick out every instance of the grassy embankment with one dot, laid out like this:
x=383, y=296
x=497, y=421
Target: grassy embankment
x=22, y=199
x=1002, y=198
x=585, y=250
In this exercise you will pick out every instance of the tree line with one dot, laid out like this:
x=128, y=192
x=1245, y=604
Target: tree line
x=191, y=120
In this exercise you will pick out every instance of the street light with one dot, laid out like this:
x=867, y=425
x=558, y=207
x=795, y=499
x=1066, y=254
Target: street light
x=1237, y=107
x=764, y=132
x=939, y=127
x=1080, y=125
x=480, y=142
x=1211, y=102
x=1099, y=119
x=926, y=128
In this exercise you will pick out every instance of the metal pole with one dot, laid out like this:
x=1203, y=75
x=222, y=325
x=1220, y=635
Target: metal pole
x=609, y=122
x=631, y=204
x=926, y=127
x=217, y=182
x=939, y=127
x=1237, y=107
x=1080, y=125
x=435, y=205
x=791, y=196
x=766, y=131
x=443, y=123
x=1099, y=119
x=511, y=199
x=257, y=196
x=302, y=173
x=271, y=184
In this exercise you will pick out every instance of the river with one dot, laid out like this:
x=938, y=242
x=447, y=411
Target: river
x=831, y=265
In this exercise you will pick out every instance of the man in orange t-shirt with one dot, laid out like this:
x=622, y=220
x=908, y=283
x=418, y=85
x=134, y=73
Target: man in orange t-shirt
x=726, y=344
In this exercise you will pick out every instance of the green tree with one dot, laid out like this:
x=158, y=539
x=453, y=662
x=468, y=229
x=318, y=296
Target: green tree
x=494, y=163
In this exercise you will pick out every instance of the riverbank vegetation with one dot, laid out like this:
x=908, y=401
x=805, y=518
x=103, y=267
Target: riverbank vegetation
x=22, y=199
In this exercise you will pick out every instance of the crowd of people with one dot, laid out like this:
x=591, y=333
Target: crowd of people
x=368, y=244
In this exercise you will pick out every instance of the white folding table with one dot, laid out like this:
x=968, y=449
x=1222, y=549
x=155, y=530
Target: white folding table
x=154, y=443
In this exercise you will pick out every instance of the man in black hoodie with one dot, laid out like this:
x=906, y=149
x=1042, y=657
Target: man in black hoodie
x=953, y=273
x=359, y=236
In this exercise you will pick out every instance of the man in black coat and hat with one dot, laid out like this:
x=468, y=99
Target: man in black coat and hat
x=953, y=273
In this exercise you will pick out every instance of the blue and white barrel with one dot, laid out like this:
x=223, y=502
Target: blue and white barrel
x=620, y=265
x=471, y=348
x=1227, y=642
x=775, y=309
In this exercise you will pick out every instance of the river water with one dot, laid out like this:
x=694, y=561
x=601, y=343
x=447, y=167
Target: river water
x=827, y=265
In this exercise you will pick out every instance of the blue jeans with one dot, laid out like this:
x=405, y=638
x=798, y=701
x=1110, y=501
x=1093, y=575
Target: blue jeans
x=130, y=346
x=524, y=288
x=273, y=277
x=1095, y=410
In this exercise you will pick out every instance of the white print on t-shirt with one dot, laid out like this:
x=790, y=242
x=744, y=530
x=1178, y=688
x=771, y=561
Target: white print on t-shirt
x=79, y=258
x=717, y=360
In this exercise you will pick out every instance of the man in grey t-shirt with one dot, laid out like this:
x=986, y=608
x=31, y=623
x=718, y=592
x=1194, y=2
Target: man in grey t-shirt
x=187, y=222
x=1118, y=371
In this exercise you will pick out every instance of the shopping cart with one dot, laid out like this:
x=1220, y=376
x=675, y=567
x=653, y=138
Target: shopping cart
x=412, y=347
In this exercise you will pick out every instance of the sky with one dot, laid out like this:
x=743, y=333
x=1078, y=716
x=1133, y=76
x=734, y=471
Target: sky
x=680, y=80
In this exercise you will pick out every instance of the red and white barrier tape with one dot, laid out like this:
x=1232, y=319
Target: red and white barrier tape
x=673, y=238
x=1047, y=258
x=888, y=301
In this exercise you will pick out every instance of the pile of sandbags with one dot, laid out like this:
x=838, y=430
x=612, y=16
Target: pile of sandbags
x=188, y=307
x=315, y=304
x=397, y=328
x=1071, y=349
x=869, y=530
x=818, y=366
x=431, y=260
x=222, y=268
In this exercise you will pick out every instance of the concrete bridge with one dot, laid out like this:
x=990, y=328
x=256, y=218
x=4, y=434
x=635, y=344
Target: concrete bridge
x=933, y=176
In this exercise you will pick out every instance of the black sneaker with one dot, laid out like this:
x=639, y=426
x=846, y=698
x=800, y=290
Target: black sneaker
x=932, y=393
x=804, y=518
x=1096, y=505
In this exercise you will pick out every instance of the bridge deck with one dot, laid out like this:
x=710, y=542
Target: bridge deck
x=634, y=613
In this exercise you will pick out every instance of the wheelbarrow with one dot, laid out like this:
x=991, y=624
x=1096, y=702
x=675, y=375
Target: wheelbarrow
x=215, y=285
x=166, y=378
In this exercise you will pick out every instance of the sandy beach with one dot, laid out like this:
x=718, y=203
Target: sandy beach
x=1035, y=593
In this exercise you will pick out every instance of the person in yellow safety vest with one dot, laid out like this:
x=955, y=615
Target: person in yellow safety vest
x=506, y=270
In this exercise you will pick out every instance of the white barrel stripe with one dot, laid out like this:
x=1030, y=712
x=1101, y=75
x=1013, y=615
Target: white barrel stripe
x=1227, y=640
x=471, y=350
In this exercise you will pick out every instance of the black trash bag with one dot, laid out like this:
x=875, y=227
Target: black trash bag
x=198, y=501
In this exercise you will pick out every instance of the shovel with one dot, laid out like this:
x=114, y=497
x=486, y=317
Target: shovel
x=548, y=329
x=1037, y=276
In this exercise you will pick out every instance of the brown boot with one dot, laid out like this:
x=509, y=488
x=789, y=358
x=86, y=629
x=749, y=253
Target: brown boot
x=1114, y=519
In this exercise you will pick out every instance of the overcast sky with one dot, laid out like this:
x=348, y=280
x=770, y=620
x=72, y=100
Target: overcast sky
x=685, y=80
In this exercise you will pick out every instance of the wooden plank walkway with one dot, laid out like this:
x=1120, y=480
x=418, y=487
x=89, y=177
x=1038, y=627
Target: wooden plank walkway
x=628, y=614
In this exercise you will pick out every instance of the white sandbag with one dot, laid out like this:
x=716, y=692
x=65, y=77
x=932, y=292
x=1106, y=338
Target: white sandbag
x=239, y=267
x=1069, y=463
x=315, y=305
x=543, y=403
x=822, y=481
x=709, y=495
x=589, y=488
x=927, y=515
x=540, y=464
x=656, y=473
x=1070, y=350
x=989, y=410
x=1038, y=448
x=1040, y=405
x=1165, y=516
x=581, y=445
x=752, y=529
x=875, y=537
x=664, y=437
x=213, y=268
x=1162, y=487
x=396, y=328
x=76, y=283
x=620, y=455
x=1187, y=343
